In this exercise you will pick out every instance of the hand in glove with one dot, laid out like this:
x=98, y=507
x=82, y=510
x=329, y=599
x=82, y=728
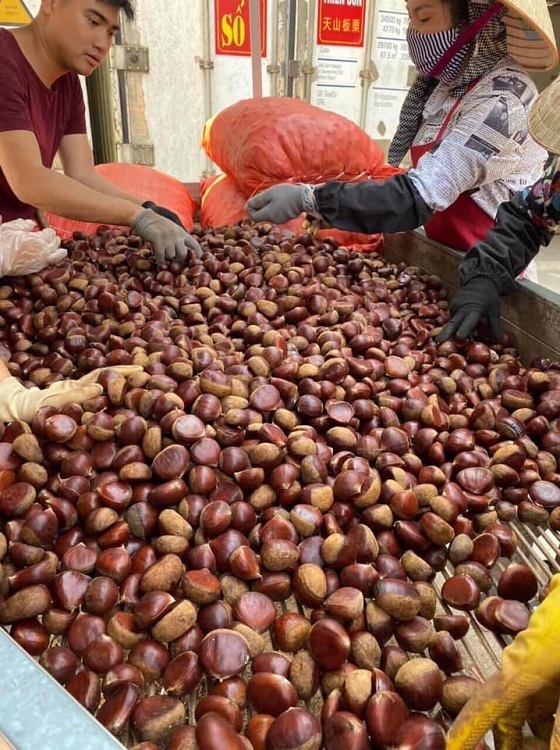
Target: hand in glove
x=530, y=674
x=169, y=241
x=19, y=402
x=162, y=211
x=478, y=298
x=124, y=370
x=281, y=203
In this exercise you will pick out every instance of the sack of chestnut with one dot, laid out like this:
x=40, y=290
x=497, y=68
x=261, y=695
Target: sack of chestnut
x=258, y=143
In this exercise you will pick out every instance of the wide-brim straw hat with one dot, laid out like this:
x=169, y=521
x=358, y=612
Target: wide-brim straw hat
x=530, y=36
x=544, y=119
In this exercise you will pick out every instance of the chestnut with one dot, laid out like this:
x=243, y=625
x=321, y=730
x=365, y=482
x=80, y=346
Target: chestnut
x=419, y=682
x=155, y=716
x=511, y=617
x=519, y=582
x=399, y=598
x=329, y=643
x=270, y=693
x=385, y=713
x=293, y=729
x=223, y=653
x=420, y=732
x=344, y=731
x=460, y=592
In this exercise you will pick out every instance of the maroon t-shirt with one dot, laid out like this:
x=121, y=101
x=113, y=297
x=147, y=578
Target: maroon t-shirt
x=27, y=104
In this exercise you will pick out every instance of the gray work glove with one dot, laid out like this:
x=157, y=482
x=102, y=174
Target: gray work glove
x=281, y=203
x=162, y=211
x=478, y=299
x=169, y=241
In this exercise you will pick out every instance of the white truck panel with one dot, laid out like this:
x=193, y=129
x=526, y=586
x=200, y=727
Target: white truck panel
x=187, y=81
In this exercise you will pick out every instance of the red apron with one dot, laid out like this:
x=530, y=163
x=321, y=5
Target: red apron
x=464, y=222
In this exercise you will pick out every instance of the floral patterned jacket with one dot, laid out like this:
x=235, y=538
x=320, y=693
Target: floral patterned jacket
x=523, y=225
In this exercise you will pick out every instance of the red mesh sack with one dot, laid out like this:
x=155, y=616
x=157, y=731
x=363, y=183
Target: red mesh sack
x=221, y=201
x=143, y=182
x=266, y=141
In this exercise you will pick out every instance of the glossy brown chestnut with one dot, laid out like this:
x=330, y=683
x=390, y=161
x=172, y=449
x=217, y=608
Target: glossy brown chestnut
x=329, y=643
x=461, y=592
x=385, y=713
x=518, y=582
x=398, y=598
x=60, y=662
x=345, y=731
x=293, y=729
x=419, y=682
x=511, y=617
x=223, y=653
x=270, y=693
x=421, y=733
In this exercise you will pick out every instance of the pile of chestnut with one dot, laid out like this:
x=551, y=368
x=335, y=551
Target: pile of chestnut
x=235, y=547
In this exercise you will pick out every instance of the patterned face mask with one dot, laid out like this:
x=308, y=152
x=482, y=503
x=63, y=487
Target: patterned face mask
x=425, y=51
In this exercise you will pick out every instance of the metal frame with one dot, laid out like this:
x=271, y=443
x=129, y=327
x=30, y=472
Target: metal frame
x=36, y=713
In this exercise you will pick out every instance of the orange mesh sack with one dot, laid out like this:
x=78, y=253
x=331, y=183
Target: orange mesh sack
x=145, y=183
x=263, y=142
x=222, y=201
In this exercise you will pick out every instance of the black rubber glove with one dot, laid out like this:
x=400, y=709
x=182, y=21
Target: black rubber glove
x=162, y=211
x=479, y=298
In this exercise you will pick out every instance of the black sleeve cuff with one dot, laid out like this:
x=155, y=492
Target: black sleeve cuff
x=370, y=207
x=507, y=249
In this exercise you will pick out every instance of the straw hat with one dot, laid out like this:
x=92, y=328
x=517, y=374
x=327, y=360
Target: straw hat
x=544, y=122
x=530, y=36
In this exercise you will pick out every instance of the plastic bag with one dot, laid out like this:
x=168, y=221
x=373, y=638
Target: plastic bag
x=142, y=182
x=23, y=250
x=263, y=142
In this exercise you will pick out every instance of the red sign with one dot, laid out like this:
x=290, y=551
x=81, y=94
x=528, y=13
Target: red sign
x=233, y=27
x=341, y=22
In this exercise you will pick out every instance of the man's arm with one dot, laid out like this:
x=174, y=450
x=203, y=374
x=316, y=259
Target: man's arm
x=57, y=193
x=77, y=163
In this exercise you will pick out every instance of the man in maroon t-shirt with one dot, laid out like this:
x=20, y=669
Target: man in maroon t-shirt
x=42, y=111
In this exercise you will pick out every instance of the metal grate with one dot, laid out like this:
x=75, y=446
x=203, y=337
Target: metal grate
x=537, y=548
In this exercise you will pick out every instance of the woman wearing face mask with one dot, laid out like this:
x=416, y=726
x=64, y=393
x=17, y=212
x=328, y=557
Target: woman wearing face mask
x=464, y=121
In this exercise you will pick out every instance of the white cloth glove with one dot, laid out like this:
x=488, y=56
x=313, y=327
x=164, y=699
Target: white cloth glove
x=24, y=251
x=19, y=402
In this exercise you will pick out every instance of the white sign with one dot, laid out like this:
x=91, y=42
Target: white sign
x=392, y=65
x=337, y=86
